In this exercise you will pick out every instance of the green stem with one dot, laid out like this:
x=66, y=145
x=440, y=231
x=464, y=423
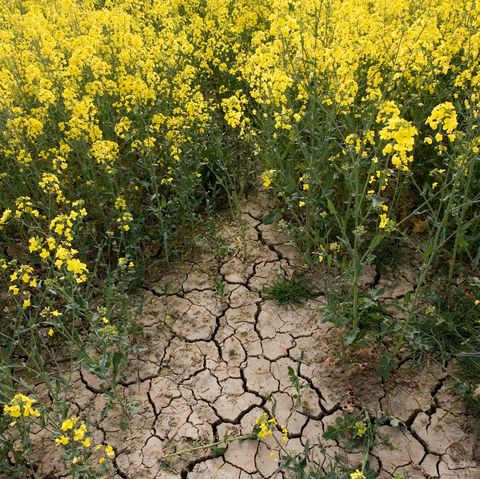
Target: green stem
x=432, y=249
x=460, y=227
x=370, y=443
x=206, y=446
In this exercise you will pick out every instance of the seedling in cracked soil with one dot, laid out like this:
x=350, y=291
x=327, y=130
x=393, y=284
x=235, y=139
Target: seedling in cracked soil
x=297, y=384
x=221, y=289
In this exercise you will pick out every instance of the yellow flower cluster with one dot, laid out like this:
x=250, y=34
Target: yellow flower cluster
x=264, y=425
x=124, y=221
x=385, y=222
x=122, y=262
x=4, y=218
x=120, y=203
x=361, y=428
x=21, y=406
x=22, y=282
x=24, y=205
x=443, y=117
x=267, y=177
x=59, y=250
x=105, y=153
x=400, y=137
x=73, y=432
x=108, y=452
x=50, y=184
x=234, y=111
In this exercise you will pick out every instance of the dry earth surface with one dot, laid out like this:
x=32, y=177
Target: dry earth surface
x=209, y=363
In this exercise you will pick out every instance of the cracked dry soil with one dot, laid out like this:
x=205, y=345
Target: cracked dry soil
x=209, y=363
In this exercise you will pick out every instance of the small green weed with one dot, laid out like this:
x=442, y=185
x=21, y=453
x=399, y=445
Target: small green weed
x=445, y=325
x=221, y=289
x=288, y=290
x=373, y=316
x=297, y=382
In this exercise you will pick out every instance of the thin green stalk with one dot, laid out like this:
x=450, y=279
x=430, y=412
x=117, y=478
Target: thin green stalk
x=206, y=446
x=432, y=249
x=460, y=225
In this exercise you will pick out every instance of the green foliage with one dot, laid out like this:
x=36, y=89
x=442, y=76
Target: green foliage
x=288, y=290
x=355, y=432
x=297, y=384
x=445, y=325
x=358, y=430
x=372, y=156
x=371, y=313
x=221, y=289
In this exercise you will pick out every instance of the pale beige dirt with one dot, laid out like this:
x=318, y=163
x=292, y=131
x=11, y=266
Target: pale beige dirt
x=209, y=365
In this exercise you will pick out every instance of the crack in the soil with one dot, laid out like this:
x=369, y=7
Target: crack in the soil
x=325, y=410
x=122, y=474
x=152, y=290
x=420, y=440
x=154, y=408
x=411, y=419
x=88, y=386
x=191, y=464
x=255, y=317
x=433, y=407
x=248, y=390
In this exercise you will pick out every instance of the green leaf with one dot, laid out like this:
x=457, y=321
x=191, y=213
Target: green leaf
x=123, y=423
x=343, y=321
x=427, y=252
x=274, y=406
x=218, y=451
x=134, y=407
x=331, y=207
x=117, y=361
x=330, y=433
x=376, y=241
x=351, y=336
x=386, y=365
x=271, y=217
x=292, y=375
x=394, y=422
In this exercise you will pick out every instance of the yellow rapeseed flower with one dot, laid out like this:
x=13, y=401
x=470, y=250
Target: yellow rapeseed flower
x=62, y=440
x=21, y=405
x=68, y=424
x=109, y=450
x=13, y=411
x=361, y=428
x=385, y=221
x=4, y=218
x=267, y=177
x=14, y=289
x=443, y=116
x=79, y=433
x=34, y=244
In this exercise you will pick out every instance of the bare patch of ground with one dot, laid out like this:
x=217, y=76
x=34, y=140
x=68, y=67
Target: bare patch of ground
x=214, y=355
